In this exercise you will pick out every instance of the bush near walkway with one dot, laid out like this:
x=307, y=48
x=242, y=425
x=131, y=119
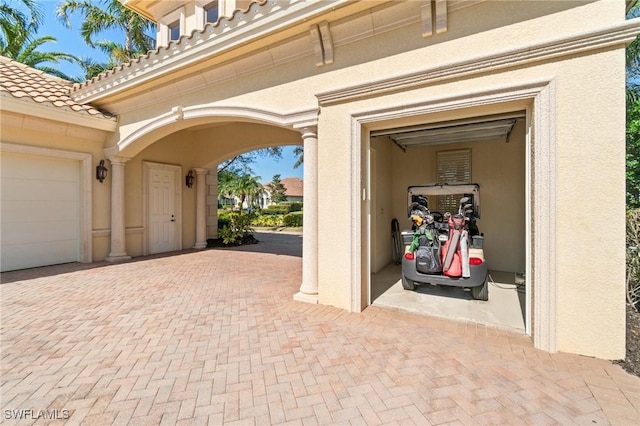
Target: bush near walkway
x=633, y=258
x=293, y=220
x=631, y=363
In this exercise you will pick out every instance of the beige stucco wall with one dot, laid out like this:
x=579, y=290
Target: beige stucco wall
x=382, y=211
x=588, y=136
x=49, y=134
x=585, y=289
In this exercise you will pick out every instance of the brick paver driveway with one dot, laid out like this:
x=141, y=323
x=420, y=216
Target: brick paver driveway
x=214, y=337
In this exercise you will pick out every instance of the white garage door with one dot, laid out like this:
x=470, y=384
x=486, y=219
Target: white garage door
x=40, y=211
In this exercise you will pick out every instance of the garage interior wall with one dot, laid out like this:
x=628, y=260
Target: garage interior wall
x=497, y=165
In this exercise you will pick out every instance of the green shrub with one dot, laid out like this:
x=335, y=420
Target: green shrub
x=633, y=258
x=267, y=220
x=224, y=218
x=293, y=220
x=238, y=225
x=295, y=207
x=276, y=209
x=228, y=235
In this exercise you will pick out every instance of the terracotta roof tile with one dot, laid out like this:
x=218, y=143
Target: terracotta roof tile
x=294, y=186
x=22, y=82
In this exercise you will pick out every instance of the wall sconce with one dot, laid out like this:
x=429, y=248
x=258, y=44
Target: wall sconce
x=101, y=171
x=189, y=179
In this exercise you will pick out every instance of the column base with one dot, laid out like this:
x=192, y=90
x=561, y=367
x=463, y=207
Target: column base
x=200, y=246
x=306, y=298
x=120, y=258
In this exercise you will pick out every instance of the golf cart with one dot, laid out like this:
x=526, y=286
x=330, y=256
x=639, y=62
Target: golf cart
x=444, y=248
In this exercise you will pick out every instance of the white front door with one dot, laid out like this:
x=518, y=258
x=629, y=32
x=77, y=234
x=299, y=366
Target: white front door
x=163, y=208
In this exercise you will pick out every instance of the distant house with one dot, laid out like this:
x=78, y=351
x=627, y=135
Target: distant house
x=294, y=189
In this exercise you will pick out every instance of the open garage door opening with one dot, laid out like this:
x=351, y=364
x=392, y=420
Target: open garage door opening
x=489, y=151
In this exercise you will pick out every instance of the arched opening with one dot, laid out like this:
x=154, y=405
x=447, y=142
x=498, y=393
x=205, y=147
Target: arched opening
x=162, y=213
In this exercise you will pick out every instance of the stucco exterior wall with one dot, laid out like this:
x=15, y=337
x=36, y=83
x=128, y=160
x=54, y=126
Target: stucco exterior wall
x=488, y=49
x=586, y=290
x=382, y=210
x=42, y=133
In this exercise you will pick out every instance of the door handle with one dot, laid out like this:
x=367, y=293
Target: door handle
x=172, y=219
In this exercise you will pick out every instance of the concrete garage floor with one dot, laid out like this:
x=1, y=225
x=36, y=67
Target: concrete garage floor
x=505, y=307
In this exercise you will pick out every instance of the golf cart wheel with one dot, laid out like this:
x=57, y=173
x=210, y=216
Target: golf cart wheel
x=407, y=284
x=481, y=292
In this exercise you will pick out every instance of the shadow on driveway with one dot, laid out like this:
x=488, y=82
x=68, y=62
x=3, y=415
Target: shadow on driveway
x=285, y=244
x=279, y=243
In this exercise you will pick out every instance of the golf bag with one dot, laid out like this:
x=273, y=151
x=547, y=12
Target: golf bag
x=452, y=251
x=427, y=254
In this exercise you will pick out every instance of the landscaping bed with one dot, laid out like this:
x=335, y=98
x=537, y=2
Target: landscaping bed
x=631, y=363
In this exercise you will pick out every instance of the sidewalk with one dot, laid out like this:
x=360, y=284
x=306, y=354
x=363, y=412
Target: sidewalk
x=214, y=337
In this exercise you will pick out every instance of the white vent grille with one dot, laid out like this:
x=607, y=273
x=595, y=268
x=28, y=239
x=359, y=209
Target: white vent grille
x=453, y=167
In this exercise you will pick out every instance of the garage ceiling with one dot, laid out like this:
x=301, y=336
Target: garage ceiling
x=467, y=130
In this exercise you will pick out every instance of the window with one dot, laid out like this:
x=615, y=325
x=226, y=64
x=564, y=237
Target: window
x=452, y=167
x=174, y=30
x=211, y=12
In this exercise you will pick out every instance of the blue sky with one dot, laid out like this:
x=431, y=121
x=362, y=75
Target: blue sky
x=70, y=41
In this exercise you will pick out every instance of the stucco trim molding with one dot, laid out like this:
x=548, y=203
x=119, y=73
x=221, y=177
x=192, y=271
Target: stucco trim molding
x=86, y=175
x=292, y=120
x=541, y=247
x=614, y=35
x=106, y=232
x=259, y=20
x=66, y=116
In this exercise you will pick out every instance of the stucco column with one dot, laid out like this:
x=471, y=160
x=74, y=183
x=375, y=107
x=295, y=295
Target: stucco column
x=201, y=209
x=118, y=242
x=309, y=288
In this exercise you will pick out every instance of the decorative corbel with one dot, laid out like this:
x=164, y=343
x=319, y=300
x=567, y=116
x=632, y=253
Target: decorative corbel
x=177, y=112
x=316, y=42
x=441, y=16
x=327, y=42
x=427, y=20
x=427, y=8
x=322, y=43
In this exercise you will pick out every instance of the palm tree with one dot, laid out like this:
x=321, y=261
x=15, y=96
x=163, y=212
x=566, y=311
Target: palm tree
x=12, y=16
x=299, y=151
x=110, y=16
x=17, y=40
x=25, y=50
x=633, y=58
x=242, y=186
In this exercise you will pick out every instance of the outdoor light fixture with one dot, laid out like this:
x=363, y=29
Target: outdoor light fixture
x=189, y=179
x=101, y=171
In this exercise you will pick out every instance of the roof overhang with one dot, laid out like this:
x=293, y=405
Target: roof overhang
x=11, y=104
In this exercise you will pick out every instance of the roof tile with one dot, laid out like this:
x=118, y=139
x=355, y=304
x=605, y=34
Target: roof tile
x=22, y=82
x=158, y=51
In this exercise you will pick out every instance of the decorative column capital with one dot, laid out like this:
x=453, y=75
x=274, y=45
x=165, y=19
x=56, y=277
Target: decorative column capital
x=118, y=160
x=200, y=170
x=308, y=131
